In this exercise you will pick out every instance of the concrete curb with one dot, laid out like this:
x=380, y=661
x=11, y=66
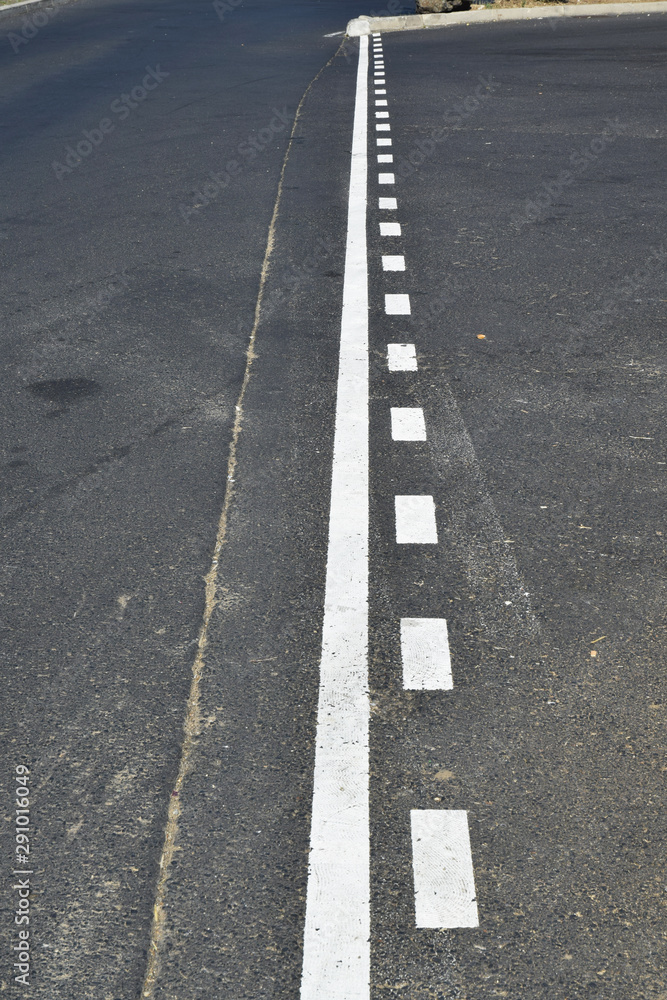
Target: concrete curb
x=364, y=25
x=30, y=3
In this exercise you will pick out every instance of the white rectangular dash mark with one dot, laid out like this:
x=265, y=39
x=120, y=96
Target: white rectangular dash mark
x=386, y=179
x=390, y=229
x=407, y=423
x=385, y=127
x=397, y=305
x=381, y=103
x=425, y=655
x=401, y=358
x=383, y=142
x=415, y=520
x=442, y=866
x=390, y=203
x=382, y=114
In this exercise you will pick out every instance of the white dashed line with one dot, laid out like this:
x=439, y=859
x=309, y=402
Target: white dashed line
x=415, y=520
x=381, y=103
x=383, y=128
x=401, y=358
x=386, y=179
x=336, y=947
x=382, y=114
x=397, y=305
x=393, y=262
x=425, y=655
x=383, y=142
x=385, y=158
x=442, y=865
x=387, y=202
x=380, y=91
x=390, y=229
x=407, y=423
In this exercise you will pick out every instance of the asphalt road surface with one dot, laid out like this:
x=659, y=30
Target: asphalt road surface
x=226, y=500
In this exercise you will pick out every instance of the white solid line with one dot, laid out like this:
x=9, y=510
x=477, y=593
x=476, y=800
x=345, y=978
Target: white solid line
x=397, y=305
x=425, y=654
x=393, y=262
x=415, y=520
x=442, y=866
x=401, y=358
x=390, y=229
x=387, y=202
x=386, y=179
x=385, y=158
x=336, y=956
x=383, y=142
x=407, y=423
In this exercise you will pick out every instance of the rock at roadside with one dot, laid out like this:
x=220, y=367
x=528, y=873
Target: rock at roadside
x=441, y=6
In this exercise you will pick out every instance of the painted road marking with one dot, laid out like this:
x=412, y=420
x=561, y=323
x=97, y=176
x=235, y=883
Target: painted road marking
x=382, y=114
x=385, y=158
x=393, y=262
x=425, y=655
x=442, y=866
x=401, y=358
x=383, y=142
x=386, y=179
x=387, y=202
x=415, y=520
x=390, y=229
x=397, y=305
x=381, y=103
x=383, y=128
x=379, y=91
x=336, y=947
x=407, y=423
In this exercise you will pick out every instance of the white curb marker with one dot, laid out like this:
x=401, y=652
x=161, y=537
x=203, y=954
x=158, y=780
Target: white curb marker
x=336, y=949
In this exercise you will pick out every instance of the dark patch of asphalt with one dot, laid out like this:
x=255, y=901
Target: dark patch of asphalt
x=546, y=458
